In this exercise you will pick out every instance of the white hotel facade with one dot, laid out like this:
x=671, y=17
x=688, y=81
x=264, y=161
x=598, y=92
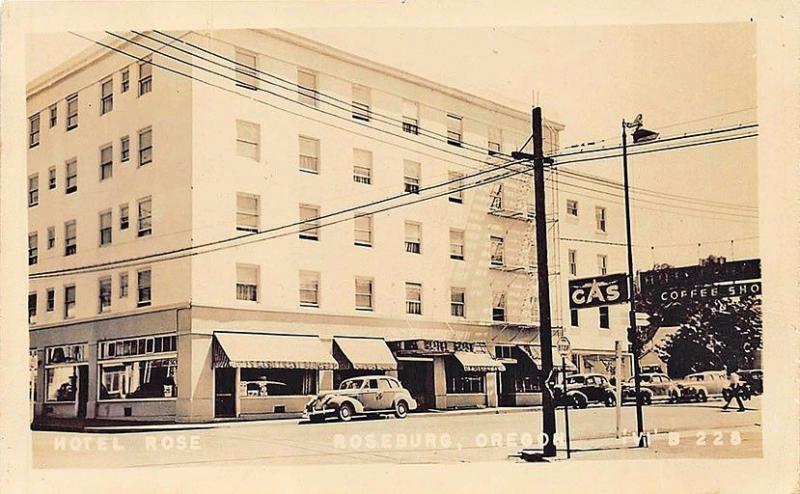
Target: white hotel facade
x=140, y=306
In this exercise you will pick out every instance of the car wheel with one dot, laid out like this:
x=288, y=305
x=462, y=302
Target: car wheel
x=610, y=400
x=401, y=409
x=345, y=412
x=579, y=401
x=701, y=396
x=673, y=397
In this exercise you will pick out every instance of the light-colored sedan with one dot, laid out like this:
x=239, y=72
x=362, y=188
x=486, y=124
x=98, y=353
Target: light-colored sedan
x=703, y=385
x=361, y=396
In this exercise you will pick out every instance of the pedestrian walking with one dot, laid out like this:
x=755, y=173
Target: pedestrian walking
x=734, y=391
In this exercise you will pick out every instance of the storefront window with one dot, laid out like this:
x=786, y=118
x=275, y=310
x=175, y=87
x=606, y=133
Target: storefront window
x=62, y=382
x=459, y=381
x=277, y=382
x=33, y=365
x=526, y=384
x=66, y=353
x=153, y=378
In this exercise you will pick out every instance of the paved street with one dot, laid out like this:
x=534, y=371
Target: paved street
x=705, y=431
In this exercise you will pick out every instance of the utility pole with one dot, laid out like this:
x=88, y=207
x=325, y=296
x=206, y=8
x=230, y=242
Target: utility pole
x=543, y=279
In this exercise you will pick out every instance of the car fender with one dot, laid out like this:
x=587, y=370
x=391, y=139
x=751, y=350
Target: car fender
x=411, y=402
x=573, y=393
x=338, y=401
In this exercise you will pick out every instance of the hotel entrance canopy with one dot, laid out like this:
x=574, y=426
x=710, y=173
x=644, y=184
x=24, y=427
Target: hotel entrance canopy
x=366, y=354
x=271, y=351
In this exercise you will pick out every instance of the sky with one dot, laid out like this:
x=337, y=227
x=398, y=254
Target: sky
x=682, y=78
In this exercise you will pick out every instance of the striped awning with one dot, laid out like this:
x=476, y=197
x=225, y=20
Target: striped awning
x=271, y=351
x=366, y=353
x=478, y=362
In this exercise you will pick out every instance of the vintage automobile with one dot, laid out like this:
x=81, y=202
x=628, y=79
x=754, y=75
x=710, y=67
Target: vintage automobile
x=364, y=395
x=583, y=389
x=754, y=379
x=701, y=386
x=653, y=386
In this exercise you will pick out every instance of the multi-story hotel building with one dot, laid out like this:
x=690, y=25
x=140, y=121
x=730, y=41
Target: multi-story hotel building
x=165, y=282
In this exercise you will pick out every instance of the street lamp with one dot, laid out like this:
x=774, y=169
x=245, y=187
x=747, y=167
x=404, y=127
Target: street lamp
x=640, y=134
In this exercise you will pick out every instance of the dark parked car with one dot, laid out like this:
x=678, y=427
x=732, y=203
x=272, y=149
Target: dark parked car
x=584, y=389
x=754, y=378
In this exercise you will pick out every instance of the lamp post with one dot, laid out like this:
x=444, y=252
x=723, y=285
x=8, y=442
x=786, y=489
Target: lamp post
x=640, y=134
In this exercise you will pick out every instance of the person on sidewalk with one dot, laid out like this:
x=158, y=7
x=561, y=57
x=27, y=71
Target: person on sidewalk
x=735, y=391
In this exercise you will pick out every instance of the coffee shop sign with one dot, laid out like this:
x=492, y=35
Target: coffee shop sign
x=715, y=291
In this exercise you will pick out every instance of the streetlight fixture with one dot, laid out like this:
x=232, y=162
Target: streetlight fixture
x=640, y=134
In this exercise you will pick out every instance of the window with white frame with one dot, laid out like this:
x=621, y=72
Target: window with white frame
x=104, y=294
x=33, y=190
x=125, y=149
x=247, y=139
x=69, y=301
x=309, y=218
x=411, y=176
x=454, y=130
x=499, y=306
x=602, y=264
x=246, y=70
x=51, y=177
x=123, y=285
x=572, y=207
x=248, y=212
x=497, y=249
x=70, y=238
x=72, y=111
x=33, y=131
x=307, y=87
x=600, y=217
x=53, y=115
x=145, y=76
x=309, y=154
x=124, y=218
x=414, y=298
x=145, y=146
x=132, y=347
x=456, y=244
x=125, y=82
x=71, y=176
x=496, y=197
x=51, y=237
x=364, y=287
x=362, y=166
x=362, y=226
x=413, y=237
x=50, y=303
x=105, y=228
x=145, y=218
x=455, y=187
x=138, y=368
x=410, y=117
x=572, y=259
x=106, y=96
x=144, y=292
x=361, y=103
x=247, y=282
x=33, y=248
x=495, y=141
x=309, y=289
x=457, y=302
x=106, y=162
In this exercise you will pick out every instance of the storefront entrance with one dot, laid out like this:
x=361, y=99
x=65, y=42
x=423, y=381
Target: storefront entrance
x=83, y=390
x=224, y=392
x=417, y=378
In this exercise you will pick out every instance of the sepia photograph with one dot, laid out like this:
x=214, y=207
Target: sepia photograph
x=324, y=245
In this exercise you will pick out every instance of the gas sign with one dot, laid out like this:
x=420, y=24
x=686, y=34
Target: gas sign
x=595, y=292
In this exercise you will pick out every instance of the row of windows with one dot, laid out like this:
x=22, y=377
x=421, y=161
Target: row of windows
x=600, y=218
x=106, y=165
x=106, y=103
x=248, y=281
x=572, y=260
x=604, y=321
x=144, y=227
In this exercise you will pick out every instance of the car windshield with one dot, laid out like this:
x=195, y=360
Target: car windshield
x=575, y=380
x=694, y=378
x=355, y=384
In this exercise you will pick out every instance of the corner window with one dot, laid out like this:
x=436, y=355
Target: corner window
x=600, y=217
x=457, y=302
x=309, y=289
x=247, y=139
x=51, y=178
x=69, y=302
x=123, y=217
x=362, y=226
x=572, y=208
x=106, y=162
x=362, y=166
x=454, y=130
x=51, y=237
x=72, y=176
x=410, y=117
x=32, y=307
x=104, y=294
x=413, y=237
x=123, y=285
x=72, y=111
x=457, y=244
x=309, y=154
x=124, y=149
x=50, y=302
x=33, y=131
x=126, y=81
x=70, y=238
x=248, y=212
x=145, y=76
x=105, y=228
x=413, y=298
x=143, y=289
x=53, y=116
x=411, y=176
x=33, y=190
x=246, y=70
x=364, y=293
x=106, y=96
x=145, y=218
x=309, y=218
x=33, y=248
x=247, y=282
x=307, y=87
x=145, y=146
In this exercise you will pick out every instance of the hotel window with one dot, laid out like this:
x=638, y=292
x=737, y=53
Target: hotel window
x=125, y=149
x=573, y=317
x=411, y=176
x=106, y=162
x=33, y=302
x=123, y=217
x=145, y=76
x=361, y=102
x=309, y=154
x=362, y=166
x=145, y=146
x=247, y=282
x=51, y=237
x=309, y=289
x=364, y=293
x=413, y=237
x=105, y=228
x=600, y=217
x=572, y=259
x=309, y=217
x=33, y=190
x=602, y=264
x=126, y=80
x=143, y=289
x=410, y=117
x=134, y=373
x=497, y=249
x=246, y=70
x=72, y=176
x=106, y=96
x=53, y=116
x=72, y=111
x=496, y=197
x=33, y=248
x=69, y=302
x=307, y=87
x=413, y=298
x=495, y=141
x=51, y=177
x=362, y=226
x=572, y=208
x=455, y=186
x=454, y=130
x=123, y=285
x=457, y=304
x=70, y=238
x=33, y=132
x=145, y=218
x=457, y=244
x=104, y=294
x=248, y=212
x=604, y=323
x=247, y=139
x=50, y=302
x=499, y=306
